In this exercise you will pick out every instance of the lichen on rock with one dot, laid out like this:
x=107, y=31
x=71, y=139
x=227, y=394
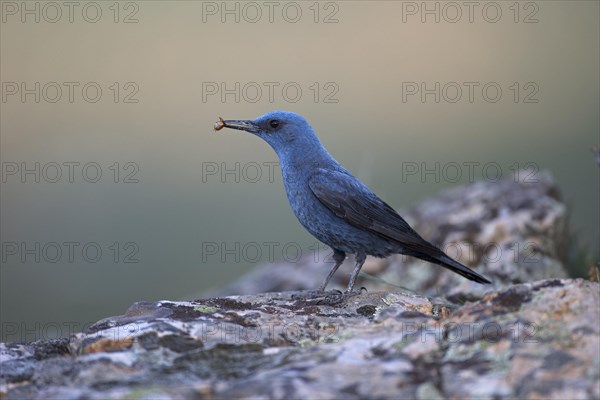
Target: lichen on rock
x=533, y=334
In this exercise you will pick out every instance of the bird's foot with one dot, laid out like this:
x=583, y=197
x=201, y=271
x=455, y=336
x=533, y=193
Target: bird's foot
x=327, y=298
x=338, y=297
x=352, y=292
x=309, y=294
x=320, y=297
x=332, y=298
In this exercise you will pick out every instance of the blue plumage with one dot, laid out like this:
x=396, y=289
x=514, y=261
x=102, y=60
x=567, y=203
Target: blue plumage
x=333, y=205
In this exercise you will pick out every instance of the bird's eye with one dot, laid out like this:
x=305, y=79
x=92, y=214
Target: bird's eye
x=274, y=123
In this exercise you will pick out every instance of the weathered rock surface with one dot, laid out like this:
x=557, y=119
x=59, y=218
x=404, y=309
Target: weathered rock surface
x=532, y=334
x=533, y=340
x=513, y=231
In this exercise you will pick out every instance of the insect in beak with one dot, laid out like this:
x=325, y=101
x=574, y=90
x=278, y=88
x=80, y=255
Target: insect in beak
x=220, y=124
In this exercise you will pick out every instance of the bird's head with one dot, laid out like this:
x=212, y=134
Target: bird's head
x=283, y=130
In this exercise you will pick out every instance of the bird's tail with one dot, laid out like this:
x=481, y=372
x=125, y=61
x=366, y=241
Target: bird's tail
x=453, y=265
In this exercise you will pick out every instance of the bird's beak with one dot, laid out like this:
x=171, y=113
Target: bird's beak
x=242, y=125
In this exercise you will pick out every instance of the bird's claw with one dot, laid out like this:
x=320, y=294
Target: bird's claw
x=321, y=297
x=352, y=292
x=339, y=296
x=327, y=298
x=336, y=297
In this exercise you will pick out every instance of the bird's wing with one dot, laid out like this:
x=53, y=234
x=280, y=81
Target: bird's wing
x=352, y=201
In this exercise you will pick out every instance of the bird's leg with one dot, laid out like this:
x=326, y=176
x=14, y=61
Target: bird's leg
x=339, y=257
x=360, y=260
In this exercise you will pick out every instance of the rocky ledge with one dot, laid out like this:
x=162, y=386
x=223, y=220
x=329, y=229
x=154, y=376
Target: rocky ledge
x=533, y=340
x=533, y=334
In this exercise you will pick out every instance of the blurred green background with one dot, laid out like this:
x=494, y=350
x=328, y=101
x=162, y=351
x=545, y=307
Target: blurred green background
x=160, y=66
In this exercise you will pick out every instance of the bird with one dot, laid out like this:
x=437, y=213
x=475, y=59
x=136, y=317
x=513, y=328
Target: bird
x=333, y=205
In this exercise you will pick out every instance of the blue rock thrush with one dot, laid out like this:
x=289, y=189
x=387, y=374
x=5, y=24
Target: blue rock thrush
x=334, y=206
